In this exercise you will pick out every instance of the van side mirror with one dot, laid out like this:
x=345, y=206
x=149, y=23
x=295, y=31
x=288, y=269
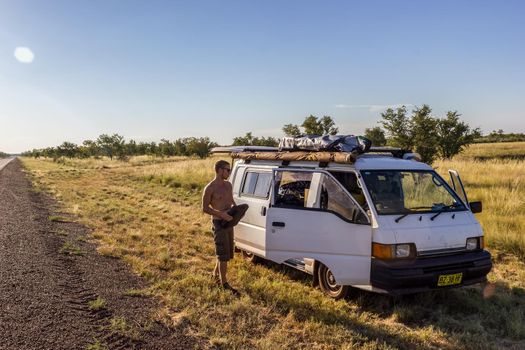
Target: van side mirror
x=475, y=207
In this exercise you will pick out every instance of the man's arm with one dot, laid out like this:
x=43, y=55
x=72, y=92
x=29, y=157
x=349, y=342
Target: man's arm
x=206, y=201
x=231, y=191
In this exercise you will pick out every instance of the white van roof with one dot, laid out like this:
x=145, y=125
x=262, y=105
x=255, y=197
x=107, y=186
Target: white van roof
x=363, y=162
x=375, y=162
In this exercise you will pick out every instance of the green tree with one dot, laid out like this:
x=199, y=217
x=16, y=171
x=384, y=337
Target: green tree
x=267, y=141
x=424, y=133
x=131, y=148
x=312, y=126
x=454, y=135
x=500, y=136
x=180, y=148
x=246, y=140
x=291, y=130
x=376, y=135
x=429, y=136
x=319, y=126
x=199, y=146
x=50, y=152
x=90, y=148
x=68, y=149
x=397, y=126
x=250, y=140
x=166, y=148
x=328, y=126
x=111, y=145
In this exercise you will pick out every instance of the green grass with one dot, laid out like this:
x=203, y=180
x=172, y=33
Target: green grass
x=69, y=248
x=97, y=304
x=500, y=185
x=97, y=345
x=57, y=218
x=122, y=327
x=156, y=226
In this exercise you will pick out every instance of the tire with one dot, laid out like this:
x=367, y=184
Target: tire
x=250, y=257
x=328, y=285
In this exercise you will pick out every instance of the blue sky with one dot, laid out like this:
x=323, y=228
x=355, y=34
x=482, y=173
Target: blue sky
x=168, y=69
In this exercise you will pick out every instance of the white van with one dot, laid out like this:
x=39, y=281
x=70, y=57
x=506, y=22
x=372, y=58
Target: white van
x=384, y=223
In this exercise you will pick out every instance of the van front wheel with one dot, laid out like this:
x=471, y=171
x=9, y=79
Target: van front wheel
x=328, y=285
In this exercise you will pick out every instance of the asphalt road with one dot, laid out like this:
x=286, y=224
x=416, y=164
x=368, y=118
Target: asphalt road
x=4, y=162
x=46, y=287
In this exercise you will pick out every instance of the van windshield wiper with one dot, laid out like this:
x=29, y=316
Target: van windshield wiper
x=402, y=216
x=409, y=212
x=444, y=209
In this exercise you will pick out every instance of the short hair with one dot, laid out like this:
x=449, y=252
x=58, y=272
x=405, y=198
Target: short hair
x=220, y=164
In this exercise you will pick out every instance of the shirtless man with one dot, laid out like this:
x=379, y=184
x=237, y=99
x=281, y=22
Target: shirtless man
x=217, y=199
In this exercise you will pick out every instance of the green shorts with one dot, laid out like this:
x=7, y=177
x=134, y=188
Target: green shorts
x=223, y=238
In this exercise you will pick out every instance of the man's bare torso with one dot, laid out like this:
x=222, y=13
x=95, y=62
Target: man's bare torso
x=221, y=195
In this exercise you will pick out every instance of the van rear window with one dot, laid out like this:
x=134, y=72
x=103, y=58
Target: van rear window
x=257, y=184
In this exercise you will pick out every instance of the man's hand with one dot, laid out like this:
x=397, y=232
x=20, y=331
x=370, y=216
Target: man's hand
x=225, y=216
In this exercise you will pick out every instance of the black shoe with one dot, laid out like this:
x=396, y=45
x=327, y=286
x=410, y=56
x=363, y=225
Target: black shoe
x=234, y=291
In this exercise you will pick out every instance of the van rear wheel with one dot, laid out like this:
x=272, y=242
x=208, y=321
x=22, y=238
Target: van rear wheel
x=328, y=285
x=250, y=257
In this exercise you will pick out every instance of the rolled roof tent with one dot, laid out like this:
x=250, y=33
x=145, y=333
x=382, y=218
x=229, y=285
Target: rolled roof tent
x=323, y=157
x=324, y=149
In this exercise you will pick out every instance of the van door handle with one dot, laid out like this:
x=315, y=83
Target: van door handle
x=263, y=211
x=278, y=224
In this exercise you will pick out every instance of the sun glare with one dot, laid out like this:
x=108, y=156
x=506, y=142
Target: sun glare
x=24, y=54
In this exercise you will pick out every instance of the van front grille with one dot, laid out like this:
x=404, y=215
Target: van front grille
x=440, y=251
x=457, y=266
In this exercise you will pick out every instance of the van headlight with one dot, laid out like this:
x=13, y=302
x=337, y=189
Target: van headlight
x=393, y=251
x=474, y=243
x=402, y=250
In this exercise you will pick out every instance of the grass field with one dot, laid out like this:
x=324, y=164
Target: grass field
x=495, y=174
x=147, y=212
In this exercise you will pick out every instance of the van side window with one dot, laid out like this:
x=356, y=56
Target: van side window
x=257, y=184
x=349, y=182
x=262, y=188
x=249, y=183
x=333, y=198
x=292, y=189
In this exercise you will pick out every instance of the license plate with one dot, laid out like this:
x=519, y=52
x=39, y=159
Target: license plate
x=450, y=280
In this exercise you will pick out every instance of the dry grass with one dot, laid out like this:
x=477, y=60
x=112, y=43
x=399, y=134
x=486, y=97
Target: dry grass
x=148, y=214
x=494, y=151
x=500, y=184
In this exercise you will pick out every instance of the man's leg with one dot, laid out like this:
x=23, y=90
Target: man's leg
x=216, y=273
x=219, y=248
x=227, y=253
x=223, y=266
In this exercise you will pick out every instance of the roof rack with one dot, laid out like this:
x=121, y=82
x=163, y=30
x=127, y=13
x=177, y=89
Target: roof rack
x=272, y=153
x=394, y=151
x=237, y=149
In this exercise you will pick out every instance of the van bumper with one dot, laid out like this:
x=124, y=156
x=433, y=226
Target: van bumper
x=399, y=277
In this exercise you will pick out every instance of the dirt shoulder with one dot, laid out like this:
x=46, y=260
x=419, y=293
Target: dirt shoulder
x=57, y=292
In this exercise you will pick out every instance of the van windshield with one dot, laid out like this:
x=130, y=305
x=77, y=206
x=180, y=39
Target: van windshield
x=406, y=192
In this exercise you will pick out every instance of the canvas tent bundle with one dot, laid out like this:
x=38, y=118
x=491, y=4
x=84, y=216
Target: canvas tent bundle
x=325, y=157
x=324, y=149
x=328, y=143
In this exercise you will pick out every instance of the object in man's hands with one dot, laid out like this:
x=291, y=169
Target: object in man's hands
x=236, y=212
